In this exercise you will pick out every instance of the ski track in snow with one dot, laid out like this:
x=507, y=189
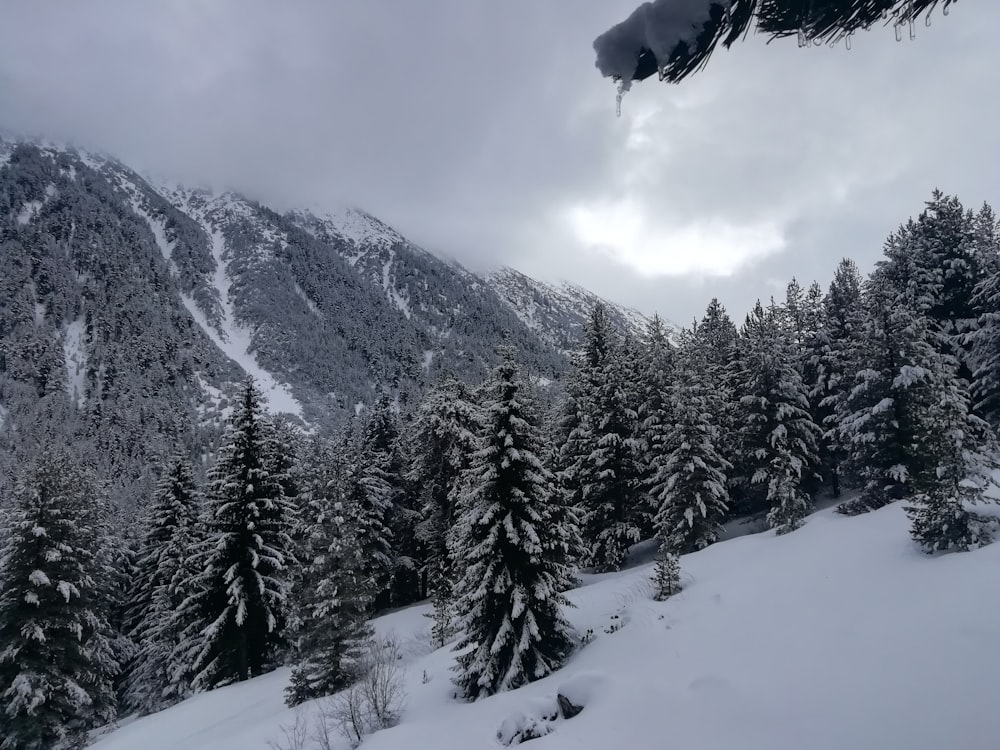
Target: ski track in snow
x=235, y=340
x=75, y=357
x=839, y=636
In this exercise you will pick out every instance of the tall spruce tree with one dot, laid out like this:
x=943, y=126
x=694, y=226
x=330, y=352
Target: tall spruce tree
x=508, y=595
x=794, y=316
x=938, y=261
x=239, y=601
x=960, y=457
x=889, y=407
x=569, y=433
x=692, y=499
x=443, y=436
x=382, y=451
x=908, y=418
x=985, y=341
x=332, y=596
x=779, y=435
x=370, y=493
x=162, y=571
x=57, y=657
x=718, y=338
x=837, y=342
x=801, y=317
x=655, y=378
x=607, y=467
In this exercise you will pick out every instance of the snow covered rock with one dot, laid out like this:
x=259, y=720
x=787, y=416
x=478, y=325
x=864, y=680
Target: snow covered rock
x=568, y=708
x=572, y=697
x=575, y=693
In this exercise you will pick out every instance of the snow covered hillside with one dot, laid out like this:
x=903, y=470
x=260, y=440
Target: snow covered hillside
x=840, y=636
x=557, y=312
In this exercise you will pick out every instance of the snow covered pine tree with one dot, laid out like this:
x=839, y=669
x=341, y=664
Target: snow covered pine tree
x=162, y=572
x=57, y=661
x=332, y=595
x=666, y=574
x=443, y=436
x=239, y=601
x=779, y=434
x=835, y=348
x=690, y=482
x=606, y=467
x=509, y=593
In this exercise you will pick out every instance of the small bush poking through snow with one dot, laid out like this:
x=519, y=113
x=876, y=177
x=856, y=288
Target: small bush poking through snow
x=666, y=575
x=294, y=736
x=375, y=702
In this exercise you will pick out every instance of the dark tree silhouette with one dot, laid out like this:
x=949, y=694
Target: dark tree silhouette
x=665, y=37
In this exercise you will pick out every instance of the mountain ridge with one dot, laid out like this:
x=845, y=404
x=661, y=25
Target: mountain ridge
x=148, y=302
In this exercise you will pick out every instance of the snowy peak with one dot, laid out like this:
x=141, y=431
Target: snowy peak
x=349, y=225
x=557, y=312
x=367, y=244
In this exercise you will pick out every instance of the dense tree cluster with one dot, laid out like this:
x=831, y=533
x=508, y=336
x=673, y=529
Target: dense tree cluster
x=277, y=547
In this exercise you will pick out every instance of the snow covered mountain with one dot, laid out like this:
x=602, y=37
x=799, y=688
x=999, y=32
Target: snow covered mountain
x=451, y=305
x=557, y=313
x=775, y=643
x=149, y=302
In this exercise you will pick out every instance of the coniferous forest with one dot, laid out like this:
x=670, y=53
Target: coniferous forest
x=276, y=546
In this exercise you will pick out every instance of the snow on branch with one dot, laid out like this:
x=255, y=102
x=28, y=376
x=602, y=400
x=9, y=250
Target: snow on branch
x=674, y=38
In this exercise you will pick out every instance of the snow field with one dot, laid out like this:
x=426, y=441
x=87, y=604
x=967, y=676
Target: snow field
x=841, y=635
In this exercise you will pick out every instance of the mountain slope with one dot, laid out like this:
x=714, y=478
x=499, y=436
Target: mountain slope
x=130, y=310
x=557, y=313
x=453, y=307
x=841, y=635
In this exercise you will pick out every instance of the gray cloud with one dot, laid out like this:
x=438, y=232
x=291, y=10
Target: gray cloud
x=482, y=130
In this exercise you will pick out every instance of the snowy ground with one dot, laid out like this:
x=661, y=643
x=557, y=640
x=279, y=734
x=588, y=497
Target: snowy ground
x=840, y=636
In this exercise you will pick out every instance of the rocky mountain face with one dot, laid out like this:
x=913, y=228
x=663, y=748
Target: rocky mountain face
x=557, y=313
x=130, y=310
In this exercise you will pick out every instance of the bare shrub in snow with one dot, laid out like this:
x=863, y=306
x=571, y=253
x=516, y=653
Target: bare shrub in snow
x=347, y=712
x=294, y=736
x=376, y=701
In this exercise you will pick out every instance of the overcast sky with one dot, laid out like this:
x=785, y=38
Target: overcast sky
x=482, y=130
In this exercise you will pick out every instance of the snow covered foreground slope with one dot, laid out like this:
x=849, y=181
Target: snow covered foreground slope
x=840, y=636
